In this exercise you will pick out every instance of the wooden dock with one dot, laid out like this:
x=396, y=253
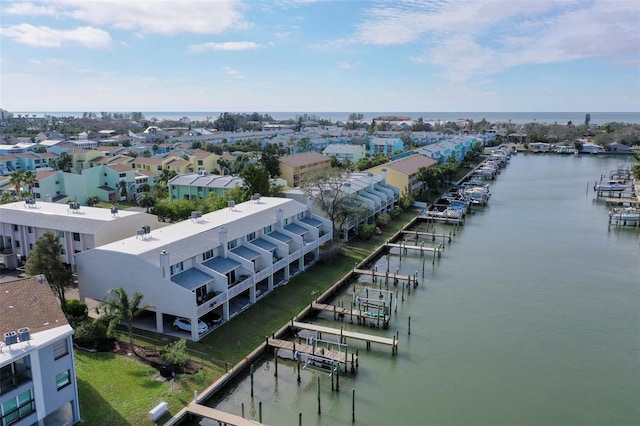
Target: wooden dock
x=374, y=273
x=433, y=235
x=220, y=416
x=421, y=249
x=440, y=219
x=617, y=201
x=344, y=334
x=325, y=356
x=339, y=313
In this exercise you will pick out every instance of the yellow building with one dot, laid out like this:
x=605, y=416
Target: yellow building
x=402, y=173
x=295, y=168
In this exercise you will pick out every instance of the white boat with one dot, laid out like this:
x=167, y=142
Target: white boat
x=626, y=214
x=610, y=185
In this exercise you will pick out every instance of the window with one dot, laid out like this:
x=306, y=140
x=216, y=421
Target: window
x=30, y=246
x=63, y=379
x=60, y=234
x=76, y=236
x=251, y=236
x=266, y=229
x=15, y=227
x=30, y=229
x=60, y=349
x=63, y=252
x=177, y=268
x=17, y=244
x=17, y=408
x=300, y=215
x=232, y=244
x=207, y=255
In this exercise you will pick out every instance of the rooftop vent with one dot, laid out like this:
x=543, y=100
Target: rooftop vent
x=202, y=172
x=73, y=208
x=114, y=211
x=41, y=278
x=30, y=202
x=231, y=204
x=24, y=334
x=255, y=198
x=196, y=216
x=10, y=337
x=143, y=232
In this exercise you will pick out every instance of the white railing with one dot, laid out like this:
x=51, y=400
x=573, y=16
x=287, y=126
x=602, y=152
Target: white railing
x=211, y=304
x=239, y=288
x=326, y=237
x=295, y=255
x=260, y=275
x=310, y=246
x=280, y=264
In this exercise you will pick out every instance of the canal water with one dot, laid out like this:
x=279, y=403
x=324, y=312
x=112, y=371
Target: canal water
x=530, y=317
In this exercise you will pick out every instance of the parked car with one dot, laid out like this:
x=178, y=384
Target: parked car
x=185, y=325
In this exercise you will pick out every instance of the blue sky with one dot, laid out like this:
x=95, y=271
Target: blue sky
x=306, y=56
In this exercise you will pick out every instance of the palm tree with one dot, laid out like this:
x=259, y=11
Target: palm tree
x=30, y=180
x=17, y=180
x=122, y=186
x=118, y=308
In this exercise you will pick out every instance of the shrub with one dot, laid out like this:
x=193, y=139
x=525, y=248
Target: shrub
x=366, y=231
x=383, y=219
x=90, y=331
x=76, y=311
x=176, y=353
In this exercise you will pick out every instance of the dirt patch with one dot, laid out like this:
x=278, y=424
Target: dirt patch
x=153, y=357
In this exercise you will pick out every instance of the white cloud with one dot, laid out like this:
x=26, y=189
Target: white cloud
x=234, y=74
x=144, y=16
x=93, y=38
x=345, y=65
x=228, y=46
x=469, y=39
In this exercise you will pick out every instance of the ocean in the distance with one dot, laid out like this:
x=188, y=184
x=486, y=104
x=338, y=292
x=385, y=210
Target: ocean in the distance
x=598, y=118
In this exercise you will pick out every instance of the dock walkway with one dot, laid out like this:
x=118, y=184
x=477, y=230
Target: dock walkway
x=375, y=273
x=340, y=313
x=344, y=334
x=221, y=416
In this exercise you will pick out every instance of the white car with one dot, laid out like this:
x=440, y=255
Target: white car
x=185, y=325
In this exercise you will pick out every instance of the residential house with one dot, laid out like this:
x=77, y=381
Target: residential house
x=295, y=168
x=79, y=228
x=366, y=188
x=402, y=173
x=384, y=146
x=37, y=369
x=199, y=185
x=342, y=152
x=217, y=263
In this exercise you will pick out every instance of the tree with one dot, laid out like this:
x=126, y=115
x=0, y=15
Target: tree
x=92, y=200
x=146, y=200
x=45, y=258
x=330, y=192
x=354, y=120
x=256, y=179
x=17, y=180
x=30, y=180
x=64, y=162
x=122, y=186
x=270, y=158
x=119, y=308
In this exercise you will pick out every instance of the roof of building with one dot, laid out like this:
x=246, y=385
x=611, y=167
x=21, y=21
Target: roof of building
x=29, y=302
x=411, y=164
x=304, y=158
x=191, y=237
x=56, y=216
x=341, y=148
x=207, y=181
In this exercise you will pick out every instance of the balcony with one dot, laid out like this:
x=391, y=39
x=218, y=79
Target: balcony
x=240, y=286
x=211, y=303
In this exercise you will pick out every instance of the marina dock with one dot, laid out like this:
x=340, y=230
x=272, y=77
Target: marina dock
x=221, y=416
x=386, y=275
x=325, y=356
x=339, y=313
x=421, y=248
x=344, y=334
x=433, y=235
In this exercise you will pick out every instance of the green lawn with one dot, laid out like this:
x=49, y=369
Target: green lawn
x=118, y=390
